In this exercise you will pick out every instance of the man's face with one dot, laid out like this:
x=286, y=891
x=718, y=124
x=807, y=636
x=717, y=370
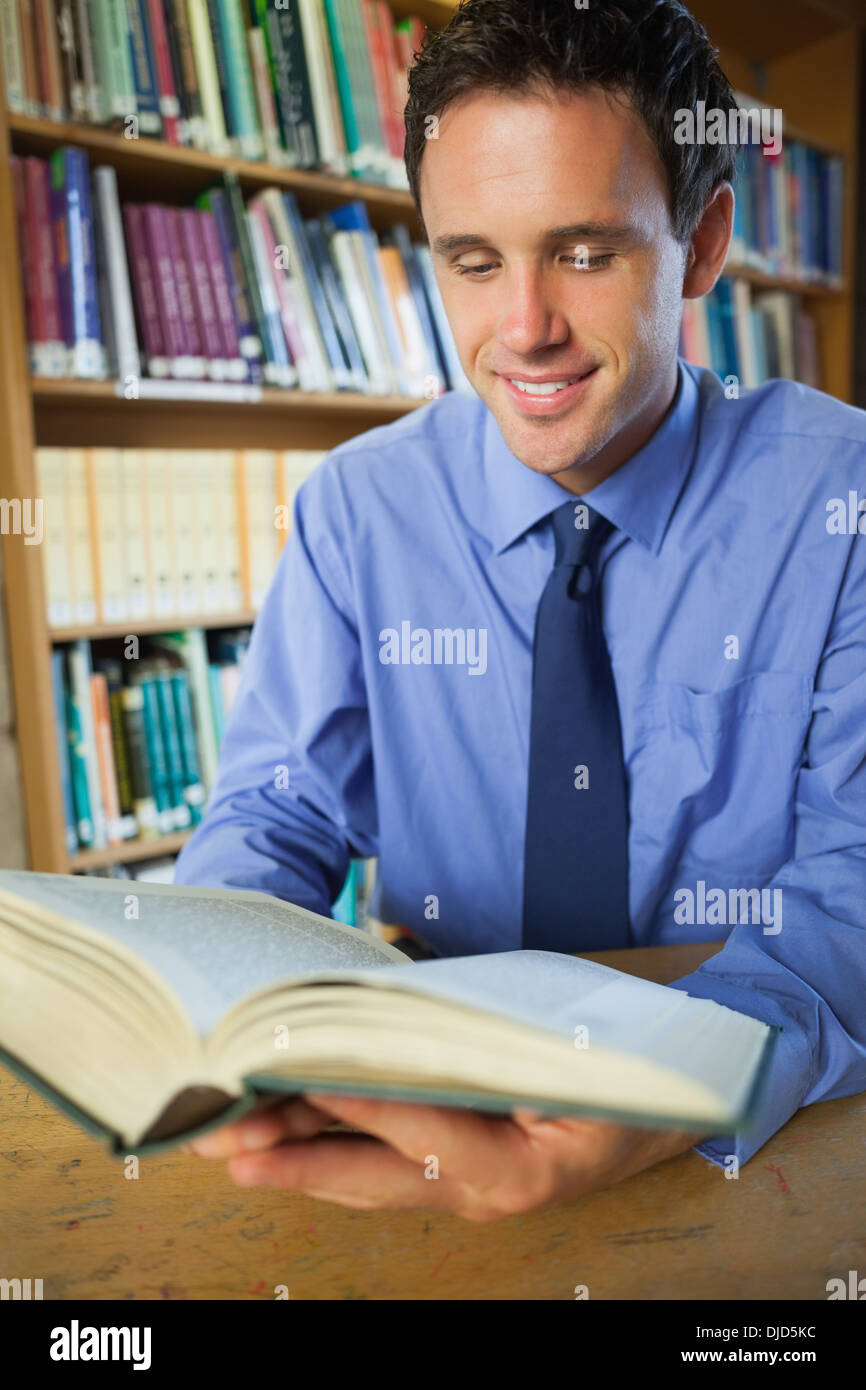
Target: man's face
x=575, y=276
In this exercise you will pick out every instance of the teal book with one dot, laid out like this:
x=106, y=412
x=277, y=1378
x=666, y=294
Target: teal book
x=78, y=775
x=216, y=700
x=171, y=743
x=156, y=756
x=242, y=113
x=220, y=996
x=344, y=909
x=63, y=750
x=193, y=791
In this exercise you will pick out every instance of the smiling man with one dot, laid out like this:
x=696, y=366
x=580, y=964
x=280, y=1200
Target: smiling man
x=671, y=706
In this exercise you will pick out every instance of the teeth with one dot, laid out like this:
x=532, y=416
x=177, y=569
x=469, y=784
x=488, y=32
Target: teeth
x=544, y=388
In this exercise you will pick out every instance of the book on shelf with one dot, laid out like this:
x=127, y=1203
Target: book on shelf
x=310, y=84
x=144, y=534
x=219, y=997
x=138, y=732
x=226, y=291
x=752, y=335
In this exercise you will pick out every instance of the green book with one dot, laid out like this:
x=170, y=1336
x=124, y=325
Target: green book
x=219, y=997
x=156, y=755
x=78, y=774
x=193, y=791
x=135, y=739
x=171, y=743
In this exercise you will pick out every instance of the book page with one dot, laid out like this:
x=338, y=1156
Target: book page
x=213, y=947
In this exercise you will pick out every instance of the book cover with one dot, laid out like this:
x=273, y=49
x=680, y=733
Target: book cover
x=76, y=262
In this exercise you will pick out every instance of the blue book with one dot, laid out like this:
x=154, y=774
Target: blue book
x=144, y=68
x=318, y=244
x=399, y=235
x=62, y=735
x=72, y=218
x=336, y=357
x=353, y=217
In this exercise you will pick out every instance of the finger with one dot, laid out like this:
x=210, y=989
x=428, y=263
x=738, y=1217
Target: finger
x=295, y=1119
x=462, y=1141
x=351, y=1170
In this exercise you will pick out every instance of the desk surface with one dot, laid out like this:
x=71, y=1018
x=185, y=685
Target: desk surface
x=794, y=1218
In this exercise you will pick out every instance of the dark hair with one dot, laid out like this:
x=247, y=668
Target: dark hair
x=653, y=51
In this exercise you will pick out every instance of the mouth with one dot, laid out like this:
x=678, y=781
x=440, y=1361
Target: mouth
x=549, y=396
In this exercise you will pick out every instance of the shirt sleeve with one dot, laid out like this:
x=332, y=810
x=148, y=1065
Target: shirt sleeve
x=807, y=971
x=294, y=797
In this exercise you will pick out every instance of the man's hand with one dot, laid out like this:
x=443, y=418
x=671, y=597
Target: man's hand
x=484, y=1167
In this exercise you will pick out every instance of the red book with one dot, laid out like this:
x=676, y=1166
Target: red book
x=397, y=79
x=169, y=106
x=381, y=75
x=159, y=250
x=144, y=291
x=216, y=267
x=48, y=355
x=194, y=363
x=195, y=256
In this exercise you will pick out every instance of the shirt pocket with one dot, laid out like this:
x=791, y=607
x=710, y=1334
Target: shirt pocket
x=714, y=773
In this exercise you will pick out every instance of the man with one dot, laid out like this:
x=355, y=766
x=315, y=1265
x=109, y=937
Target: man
x=649, y=699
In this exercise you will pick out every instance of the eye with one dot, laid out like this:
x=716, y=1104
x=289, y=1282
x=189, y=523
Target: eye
x=592, y=262
x=474, y=269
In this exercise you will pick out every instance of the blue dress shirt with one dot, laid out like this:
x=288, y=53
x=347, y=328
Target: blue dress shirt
x=734, y=607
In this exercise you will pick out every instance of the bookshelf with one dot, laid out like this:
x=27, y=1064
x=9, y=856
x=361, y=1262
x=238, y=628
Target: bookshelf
x=802, y=55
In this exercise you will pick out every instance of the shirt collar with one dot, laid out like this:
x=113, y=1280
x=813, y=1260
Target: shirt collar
x=638, y=498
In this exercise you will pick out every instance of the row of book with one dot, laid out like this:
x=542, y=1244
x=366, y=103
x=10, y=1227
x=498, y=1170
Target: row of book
x=789, y=212
x=138, y=732
x=224, y=291
x=314, y=84
x=163, y=533
x=754, y=337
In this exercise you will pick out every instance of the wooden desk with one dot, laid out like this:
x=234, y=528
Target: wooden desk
x=795, y=1217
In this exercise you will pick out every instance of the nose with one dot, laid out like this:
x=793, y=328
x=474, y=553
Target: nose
x=530, y=319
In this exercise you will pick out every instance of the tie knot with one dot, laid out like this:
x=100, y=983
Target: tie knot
x=579, y=531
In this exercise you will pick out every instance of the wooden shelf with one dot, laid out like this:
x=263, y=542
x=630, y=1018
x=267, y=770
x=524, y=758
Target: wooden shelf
x=130, y=852
x=141, y=627
x=150, y=168
x=793, y=284
x=84, y=393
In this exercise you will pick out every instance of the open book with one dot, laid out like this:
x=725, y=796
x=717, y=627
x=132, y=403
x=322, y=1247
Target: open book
x=152, y=1012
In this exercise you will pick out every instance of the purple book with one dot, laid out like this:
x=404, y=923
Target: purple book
x=194, y=365
x=238, y=369
x=158, y=245
x=195, y=255
x=144, y=291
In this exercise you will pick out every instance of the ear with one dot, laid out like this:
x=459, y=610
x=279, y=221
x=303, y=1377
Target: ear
x=708, y=248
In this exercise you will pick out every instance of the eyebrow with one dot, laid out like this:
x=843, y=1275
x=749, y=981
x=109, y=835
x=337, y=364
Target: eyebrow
x=579, y=231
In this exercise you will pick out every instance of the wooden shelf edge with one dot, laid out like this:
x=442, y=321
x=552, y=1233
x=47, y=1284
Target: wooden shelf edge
x=130, y=852
x=72, y=390
x=142, y=627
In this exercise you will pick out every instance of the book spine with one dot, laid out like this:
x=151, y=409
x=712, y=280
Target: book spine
x=195, y=660
x=222, y=73
x=105, y=489
x=236, y=368
x=181, y=816
x=71, y=58
x=26, y=252
x=357, y=374
x=136, y=525
x=15, y=78
x=347, y=94
x=94, y=93
x=60, y=227
x=60, y=731
x=249, y=342
x=143, y=803
x=29, y=62
x=144, y=288
x=129, y=827
x=73, y=215
x=208, y=78
x=264, y=92
x=195, y=258
x=248, y=273
x=105, y=757
x=241, y=94
x=50, y=67
x=288, y=317
x=114, y=60
x=112, y=251
x=156, y=756
x=194, y=129
x=143, y=68
x=51, y=477
x=77, y=754
x=280, y=370
x=166, y=86
x=294, y=92
x=193, y=789
x=80, y=671
x=158, y=481
x=82, y=541
x=156, y=233
x=307, y=273
x=194, y=365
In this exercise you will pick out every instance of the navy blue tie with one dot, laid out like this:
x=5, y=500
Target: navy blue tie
x=575, y=886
